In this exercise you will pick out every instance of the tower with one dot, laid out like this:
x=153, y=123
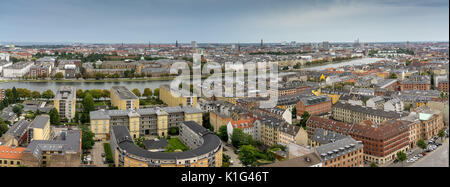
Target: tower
x=262, y=44
x=176, y=44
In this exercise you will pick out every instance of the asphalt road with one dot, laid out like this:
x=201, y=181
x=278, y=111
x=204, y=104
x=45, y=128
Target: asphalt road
x=234, y=157
x=437, y=158
x=96, y=154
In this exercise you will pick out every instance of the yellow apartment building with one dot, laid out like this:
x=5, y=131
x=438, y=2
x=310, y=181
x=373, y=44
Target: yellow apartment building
x=123, y=98
x=170, y=99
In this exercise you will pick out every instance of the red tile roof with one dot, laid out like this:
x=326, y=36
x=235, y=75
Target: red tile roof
x=8, y=152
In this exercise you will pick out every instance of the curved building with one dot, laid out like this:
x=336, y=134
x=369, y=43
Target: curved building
x=205, y=149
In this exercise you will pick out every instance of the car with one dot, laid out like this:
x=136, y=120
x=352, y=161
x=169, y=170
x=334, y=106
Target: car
x=438, y=144
x=423, y=153
x=395, y=161
x=103, y=155
x=410, y=160
x=420, y=155
x=231, y=162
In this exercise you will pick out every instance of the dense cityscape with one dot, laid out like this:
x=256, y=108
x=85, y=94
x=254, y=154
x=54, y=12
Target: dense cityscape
x=339, y=105
x=224, y=92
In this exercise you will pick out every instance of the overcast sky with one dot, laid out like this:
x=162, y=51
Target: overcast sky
x=225, y=21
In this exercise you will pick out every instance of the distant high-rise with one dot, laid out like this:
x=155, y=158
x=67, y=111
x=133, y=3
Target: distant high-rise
x=176, y=44
x=326, y=45
x=194, y=44
x=262, y=44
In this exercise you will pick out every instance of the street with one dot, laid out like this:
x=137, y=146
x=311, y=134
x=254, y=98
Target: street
x=234, y=157
x=437, y=158
x=96, y=153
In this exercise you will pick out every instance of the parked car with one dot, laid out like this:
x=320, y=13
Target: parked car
x=395, y=161
x=103, y=155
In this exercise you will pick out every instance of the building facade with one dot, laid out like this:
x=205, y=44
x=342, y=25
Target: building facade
x=65, y=102
x=123, y=99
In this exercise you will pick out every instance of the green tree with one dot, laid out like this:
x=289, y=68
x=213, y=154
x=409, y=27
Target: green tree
x=136, y=92
x=139, y=142
x=106, y=93
x=421, y=143
x=35, y=95
x=441, y=134
x=88, y=103
x=174, y=130
x=79, y=93
x=148, y=93
x=373, y=164
x=87, y=140
x=59, y=75
x=248, y=154
x=156, y=92
x=305, y=116
x=18, y=109
x=3, y=127
x=205, y=121
x=54, y=117
x=393, y=76
x=294, y=112
x=223, y=133
x=239, y=138
x=48, y=94
x=401, y=156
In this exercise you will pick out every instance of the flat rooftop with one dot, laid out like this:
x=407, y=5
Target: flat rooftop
x=123, y=93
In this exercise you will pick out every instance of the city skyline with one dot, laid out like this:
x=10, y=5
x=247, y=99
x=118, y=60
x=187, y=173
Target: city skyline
x=224, y=22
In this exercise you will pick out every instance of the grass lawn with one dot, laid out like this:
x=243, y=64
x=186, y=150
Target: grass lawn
x=174, y=144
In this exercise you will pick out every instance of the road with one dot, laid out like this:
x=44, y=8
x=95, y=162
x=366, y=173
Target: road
x=234, y=157
x=437, y=158
x=96, y=153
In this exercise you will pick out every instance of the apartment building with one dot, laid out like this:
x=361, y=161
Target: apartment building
x=443, y=86
x=65, y=102
x=141, y=122
x=429, y=122
x=62, y=151
x=39, y=129
x=123, y=98
x=381, y=142
x=16, y=135
x=11, y=156
x=176, y=98
x=17, y=70
x=355, y=114
x=416, y=82
x=4, y=64
x=345, y=152
x=205, y=149
x=246, y=125
x=314, y=105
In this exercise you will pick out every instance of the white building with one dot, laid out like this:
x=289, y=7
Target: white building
x=4, y=64
x=395, y=104
x=17, y=70
x=245, y=125
x=4, y=56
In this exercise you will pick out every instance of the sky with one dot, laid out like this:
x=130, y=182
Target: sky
x=223, y=21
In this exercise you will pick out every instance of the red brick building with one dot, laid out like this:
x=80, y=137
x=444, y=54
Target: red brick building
x=443, y=86
x=416, y=82
x=314, y=105
x=381, y=143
